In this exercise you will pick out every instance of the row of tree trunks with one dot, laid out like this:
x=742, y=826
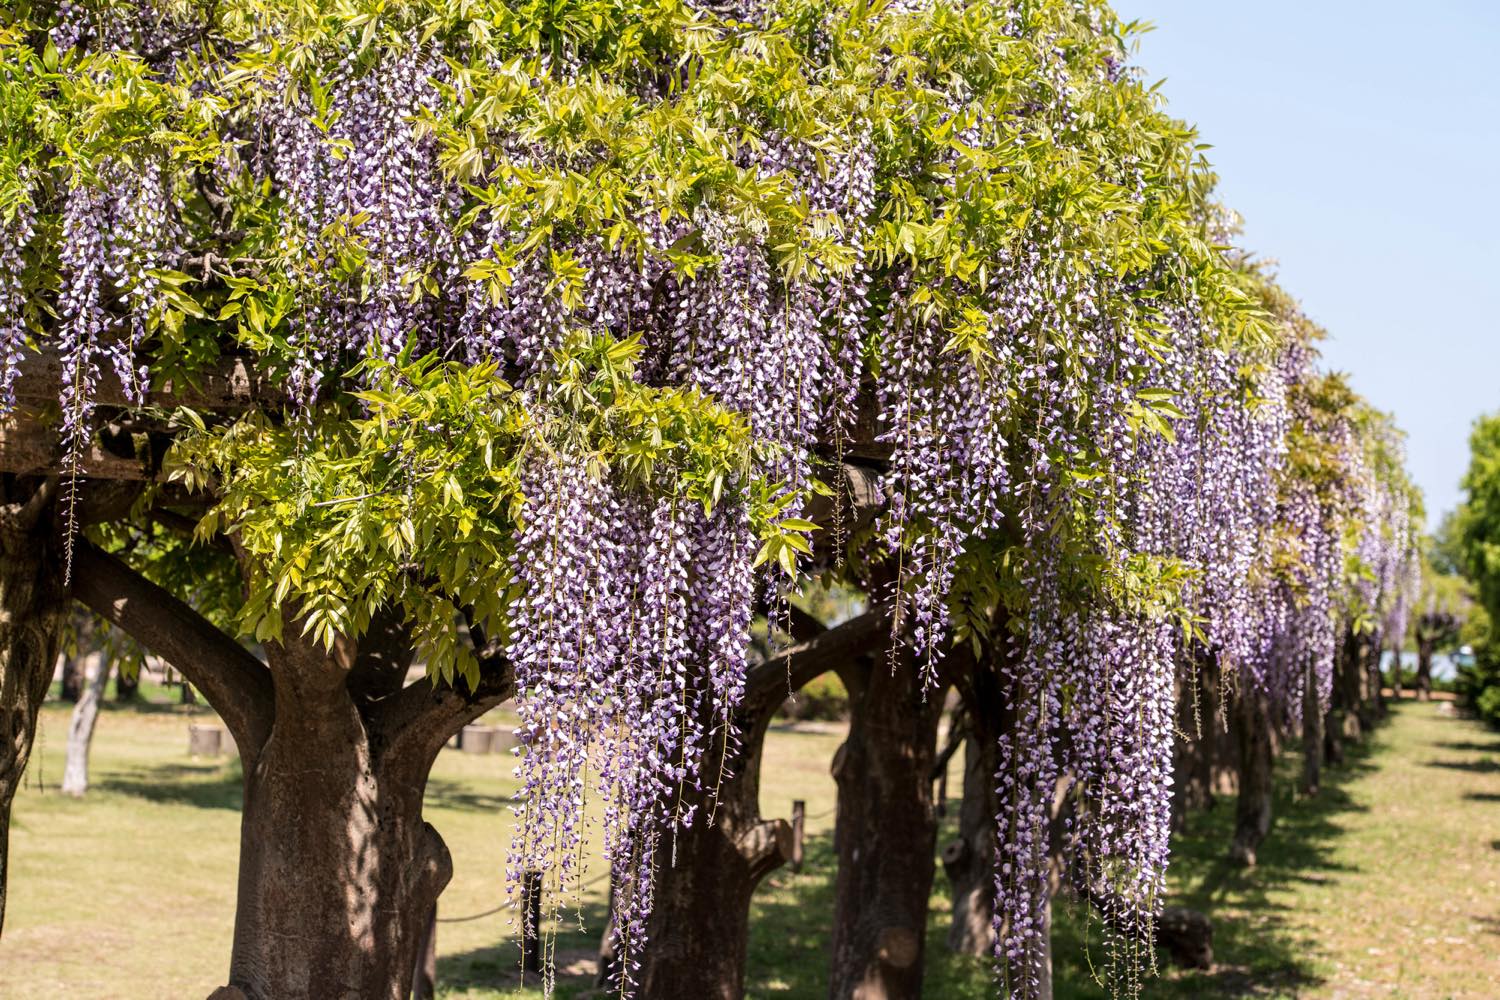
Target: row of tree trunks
x=884, y=836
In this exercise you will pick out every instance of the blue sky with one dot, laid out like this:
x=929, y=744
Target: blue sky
x=1361, y=142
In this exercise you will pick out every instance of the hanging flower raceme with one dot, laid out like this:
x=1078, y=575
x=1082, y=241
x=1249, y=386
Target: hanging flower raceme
x=667, y=280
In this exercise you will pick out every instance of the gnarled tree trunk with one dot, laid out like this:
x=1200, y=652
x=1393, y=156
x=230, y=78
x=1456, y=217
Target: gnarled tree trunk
x=700, y=919
x=1253, y=808
x=969, y=860
x=32, y=602
x=885, y=834
x=95, y=667
x=72, y=679
x=1312, y=736
x=338, y=870
x=1424, y=667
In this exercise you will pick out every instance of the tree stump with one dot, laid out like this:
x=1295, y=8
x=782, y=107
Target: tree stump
x=205, y=741
x=1187, y=936
x=476, y=739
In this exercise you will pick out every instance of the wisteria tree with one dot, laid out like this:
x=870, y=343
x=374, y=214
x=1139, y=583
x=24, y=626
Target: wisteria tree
x=543, y=345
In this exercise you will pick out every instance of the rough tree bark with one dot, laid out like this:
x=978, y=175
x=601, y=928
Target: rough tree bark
x=1312, y=736
x=32, y=603
x=1253, y=807
x=72, y=679
x=75, y=781
x=885, y=834
x=1425, y=649
x=1198, y=756
x=338, y=871
x=968, y=860
x=1344, y=722
x=700, y=919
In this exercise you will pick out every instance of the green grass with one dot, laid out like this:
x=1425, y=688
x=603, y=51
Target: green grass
x=1388, y=884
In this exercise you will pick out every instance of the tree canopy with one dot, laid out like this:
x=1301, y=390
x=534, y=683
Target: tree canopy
x=562, y=328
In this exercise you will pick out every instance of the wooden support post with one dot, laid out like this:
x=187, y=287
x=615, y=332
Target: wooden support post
x=531, y=927
x=424, y=980
x=799, y=820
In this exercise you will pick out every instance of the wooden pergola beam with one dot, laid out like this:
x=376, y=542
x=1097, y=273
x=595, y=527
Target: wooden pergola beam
x=30, y=443
x=229, y=384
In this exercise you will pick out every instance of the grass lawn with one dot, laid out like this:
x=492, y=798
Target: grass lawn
x=1386, y=885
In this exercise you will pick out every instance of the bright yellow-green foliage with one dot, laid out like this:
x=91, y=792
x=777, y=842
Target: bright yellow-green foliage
x=992, y=127
x=429, y=476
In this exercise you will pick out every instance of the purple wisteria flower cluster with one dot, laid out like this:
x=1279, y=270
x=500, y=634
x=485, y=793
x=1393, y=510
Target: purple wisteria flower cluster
x=1081, y=418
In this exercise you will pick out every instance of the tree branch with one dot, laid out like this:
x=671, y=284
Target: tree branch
x=412, y=725
x=233, y=681
x=381, y=659
x=770, y=681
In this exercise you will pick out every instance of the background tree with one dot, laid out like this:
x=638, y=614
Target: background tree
x=1477, y=531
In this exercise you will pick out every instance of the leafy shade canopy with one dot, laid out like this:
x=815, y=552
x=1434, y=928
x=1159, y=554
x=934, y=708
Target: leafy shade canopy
x=572, y=308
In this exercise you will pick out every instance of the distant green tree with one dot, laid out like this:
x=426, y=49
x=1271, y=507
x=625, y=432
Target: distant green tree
x=1477, y=528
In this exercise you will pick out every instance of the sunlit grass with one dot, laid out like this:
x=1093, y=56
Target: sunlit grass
x=1388, y=884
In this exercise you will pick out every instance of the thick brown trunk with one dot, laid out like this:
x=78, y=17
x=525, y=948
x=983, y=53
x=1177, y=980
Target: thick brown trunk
x=1343, y=723
x=1253, y=808
x=1424, y=669
x=700, y=920
x=969, y=860
x=1312, y=736
x=700, y=916
x=75, y=780
x=337, y=869
x=32, y=603
x=885, y=835
x=338, y=872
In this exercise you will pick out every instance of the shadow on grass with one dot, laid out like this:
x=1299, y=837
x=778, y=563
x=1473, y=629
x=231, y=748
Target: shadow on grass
x=207, y=785
x=445, y=793
x=498, y=966
x=789, y=925
x=1483, y=797
x=1258, y=951
x=1469, y=746
x=1472, y=766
